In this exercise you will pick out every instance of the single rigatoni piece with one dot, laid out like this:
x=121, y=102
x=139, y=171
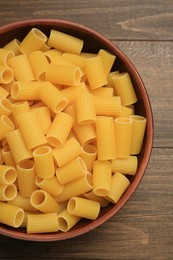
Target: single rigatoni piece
x=31, y=129
x=39, y=64
x=71, y=171
x=83, y=208
x=66, y=221
x=22, y=202
x=126, y=166
x=102, y=91
x=25, y=90
x=76, y=188
x=85, y=109
x=89, y=153
x=18, y=108
x=7, y=156
x=6, y=125
x=123, y=136
x=107, y=60
x=76, y=59
x=50, y=185
x=26, y=178
x=65, y=42
x=6, y=74
x=105, y=146
x=84, y=133
x=70, y=150
x=8, y=174
x=33, y=41
x=44, y=162
x=44, y=118
x=124, y=88
x=65, y=75
x=5, y=55
x=101, y=177
x=52, y=55
x=17, y=146
x=110, y=83
x=139, y=125
x=7, y=192
x=119, y=184
x=43, y=201
x=59, y=129
x=91, y=196
x=42, y=223
x=5, y=107
x=52, y=97
x=94, y=70
x=107, y=106
x=11, y=215
x=21, y=67
x=13, y=46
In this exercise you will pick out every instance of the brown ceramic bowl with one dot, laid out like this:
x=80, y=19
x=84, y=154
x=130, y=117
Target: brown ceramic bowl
x=93, y=42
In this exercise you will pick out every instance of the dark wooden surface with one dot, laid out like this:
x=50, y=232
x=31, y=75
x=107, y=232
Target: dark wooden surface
x=143, y=229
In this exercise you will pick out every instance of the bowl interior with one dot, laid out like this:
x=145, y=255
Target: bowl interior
x=93, y=42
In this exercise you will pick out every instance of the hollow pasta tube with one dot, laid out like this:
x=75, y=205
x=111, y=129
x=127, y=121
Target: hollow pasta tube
x=66, y=221
x=125, y=166
x=33, y=41
x=26, y=178
x=42, y=223
x=17, y=146
x=13, y=46
x=139, y=125
x=52, y=55
x=44, y=118
x=44, y=162
x=5, y=55
x=22, y=90
x=51, y=185
x=6, y=74
x=7, y=156
x=6, y=125
x=76, y=59
x=5, y=107
x=8, y=174
x=92, y=196
x=123, y=136
x=105, y=138
x=83, y=208
x=11, y=215
x=107, y=106
x=7, y=192
x=22, y=202
x=3, y=93
x=65, y=42
x=102, y=91
x=18, y=108
x=89, y=153
x=107, y=60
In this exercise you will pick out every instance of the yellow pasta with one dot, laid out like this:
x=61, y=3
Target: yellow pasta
x=102, y=174
x=33, y=41
x=124, y=88
x=42, y=223
x=5, y=55
x=107, y=60
x=31, y=129
x=3, y=92
x=22, y=202
x=119, y=184
x=70, y=150
x=6, y=74
x=59, y=129
x=105, y=138
x=39, y=64
x=13, y=46
x=44, y=162
x=102, y=91
x=125, y=111
x=43, y=201
x=50, y=185
x=91, y=196
x=76, y=59
x=65, y=75
x=5, y=107
x=17, y=146
x=126, y=166
x=107, y=106
x=85, y=110
x=7, y=156
x=6, y=125
x=84, y=133
x=71, y=171
x=65, y=42
x=89, y=153
x=11, y=215
x=110, y=83
x=19, y=108
x=45, y=47
x=26, y=178
x=94, y=71
x=76, y=188
x=123, y=136
x=25, y=90
x=139, y=125
x=44, y=118
x=52, y=97
x=66, y=221
x=83, y=208
x=52, y=55
x=21, y=68
x=8, y=174
x=7, y=192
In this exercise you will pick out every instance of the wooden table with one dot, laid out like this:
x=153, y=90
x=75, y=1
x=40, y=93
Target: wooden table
x=143, y=229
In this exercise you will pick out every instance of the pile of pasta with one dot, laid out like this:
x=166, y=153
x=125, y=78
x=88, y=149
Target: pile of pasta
x=68, y=132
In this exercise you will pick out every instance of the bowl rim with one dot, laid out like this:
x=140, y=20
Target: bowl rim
x=149, y=141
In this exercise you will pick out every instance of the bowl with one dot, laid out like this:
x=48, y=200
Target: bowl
x=93, y=42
